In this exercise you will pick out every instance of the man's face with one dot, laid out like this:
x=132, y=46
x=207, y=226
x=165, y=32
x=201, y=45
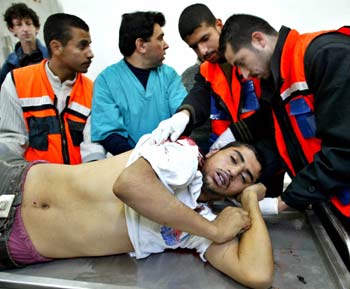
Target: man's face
x=24, y=29
x=205, y=42
x=76, y=55
x=251, y=61
x=155, y=48
x=229, y=171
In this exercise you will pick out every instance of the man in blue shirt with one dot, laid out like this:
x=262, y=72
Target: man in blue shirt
x=24, y=23
x=132, y=96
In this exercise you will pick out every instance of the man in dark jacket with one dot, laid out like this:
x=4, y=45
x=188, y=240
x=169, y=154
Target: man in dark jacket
x=24, y=23
x=306, y=80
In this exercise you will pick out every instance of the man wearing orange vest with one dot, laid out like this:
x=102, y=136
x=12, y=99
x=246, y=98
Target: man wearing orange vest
x=219, y=93
x=45, y=107
x=306, y=80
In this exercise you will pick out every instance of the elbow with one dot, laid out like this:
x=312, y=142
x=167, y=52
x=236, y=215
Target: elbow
x=120, y=185
x=259, y=280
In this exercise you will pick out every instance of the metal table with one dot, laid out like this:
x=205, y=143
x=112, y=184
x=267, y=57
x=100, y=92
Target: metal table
x=304, y=256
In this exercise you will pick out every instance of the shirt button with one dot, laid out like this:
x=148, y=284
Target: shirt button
x=311, y=189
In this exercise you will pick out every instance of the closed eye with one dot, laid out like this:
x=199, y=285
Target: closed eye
x=234, y=161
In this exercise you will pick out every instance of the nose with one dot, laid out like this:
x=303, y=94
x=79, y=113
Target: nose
x=166, y=46
x=202, y=49
x=244, y=72
x=234, y=170
x=26, y=27
x=90, y=54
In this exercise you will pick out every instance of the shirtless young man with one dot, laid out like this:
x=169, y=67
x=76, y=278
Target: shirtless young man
x=102, y=208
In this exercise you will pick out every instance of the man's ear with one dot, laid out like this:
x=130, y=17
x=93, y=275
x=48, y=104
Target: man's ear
x=12, y=31
x=56, y=47
x=258, y=40
x=211, y=152
x=140, y=45
x=219, y=24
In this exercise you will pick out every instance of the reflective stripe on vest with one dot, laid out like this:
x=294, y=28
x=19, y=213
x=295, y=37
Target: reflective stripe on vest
x=299, y=103
x=52, y=137
x=230, y=95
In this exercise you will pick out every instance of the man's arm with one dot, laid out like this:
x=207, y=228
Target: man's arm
x=249, y=259
x=139, y=187
x=90, y=151
x=13, y=130
x=327, y=71
x=106, y=112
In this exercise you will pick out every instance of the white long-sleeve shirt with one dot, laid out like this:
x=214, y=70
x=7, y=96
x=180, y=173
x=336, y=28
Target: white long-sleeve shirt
x=13, y=131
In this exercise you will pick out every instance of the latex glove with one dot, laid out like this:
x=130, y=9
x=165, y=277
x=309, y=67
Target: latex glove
x=225, y=138
x=172, y=127
x=269, y=206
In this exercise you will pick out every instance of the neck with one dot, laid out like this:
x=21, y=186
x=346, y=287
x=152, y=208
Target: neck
x=62, y=73
x=28, y=46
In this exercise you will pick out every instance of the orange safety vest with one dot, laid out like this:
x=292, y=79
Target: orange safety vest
x=52, y=136
x=299, y=103
x=230, y=94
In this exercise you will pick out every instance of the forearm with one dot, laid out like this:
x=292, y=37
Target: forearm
x=197, y=102
x=255, y=247
x=139, y=187
x=116, y=144
x=13, y=131
x=257, y=126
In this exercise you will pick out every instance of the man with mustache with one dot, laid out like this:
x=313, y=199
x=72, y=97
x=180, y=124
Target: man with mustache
x=45, y=107
x=133, y=95
x=142, y=201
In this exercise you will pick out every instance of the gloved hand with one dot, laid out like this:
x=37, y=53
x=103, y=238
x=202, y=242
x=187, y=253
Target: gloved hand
x=225, y=138
x=172, y=127
x=269, y=206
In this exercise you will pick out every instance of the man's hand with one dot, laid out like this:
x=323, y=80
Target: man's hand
x=225, y=138
x=229, y=223
x=281, y=205
x=172, y=127
x=259, y=189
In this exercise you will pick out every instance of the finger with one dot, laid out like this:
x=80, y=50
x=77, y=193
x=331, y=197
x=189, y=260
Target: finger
x=156, y=134
x=174, y=136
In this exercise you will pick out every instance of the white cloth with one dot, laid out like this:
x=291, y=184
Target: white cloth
x=267, y=206
x=13, y=130
x=175, y=163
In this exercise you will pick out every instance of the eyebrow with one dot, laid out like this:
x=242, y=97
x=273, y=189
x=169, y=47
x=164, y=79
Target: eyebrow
x=249, y=173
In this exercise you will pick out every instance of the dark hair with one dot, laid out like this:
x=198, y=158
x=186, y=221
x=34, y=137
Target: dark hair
x=238, y=30
x=137, y=25
x=193, y=17
x=58, y=27
x=20, y=11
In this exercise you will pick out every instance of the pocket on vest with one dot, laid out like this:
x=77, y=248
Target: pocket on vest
x=76, y=131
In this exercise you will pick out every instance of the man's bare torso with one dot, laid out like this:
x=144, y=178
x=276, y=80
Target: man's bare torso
x=71, y=211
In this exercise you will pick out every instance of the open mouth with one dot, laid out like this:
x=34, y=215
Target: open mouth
x=221, y=178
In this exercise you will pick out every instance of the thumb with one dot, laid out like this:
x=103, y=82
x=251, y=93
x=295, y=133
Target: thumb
x=174, y=136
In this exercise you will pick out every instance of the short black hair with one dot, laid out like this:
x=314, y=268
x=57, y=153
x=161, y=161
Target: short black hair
x=238, y=29
x=193, y=17
x=58, y=27
x=137, y=25
x=20, y=11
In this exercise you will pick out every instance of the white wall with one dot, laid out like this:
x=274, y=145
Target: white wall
x=104, y=16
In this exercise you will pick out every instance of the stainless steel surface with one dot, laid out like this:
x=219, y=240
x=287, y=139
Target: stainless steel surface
x=301, y=256
x=329, y=252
